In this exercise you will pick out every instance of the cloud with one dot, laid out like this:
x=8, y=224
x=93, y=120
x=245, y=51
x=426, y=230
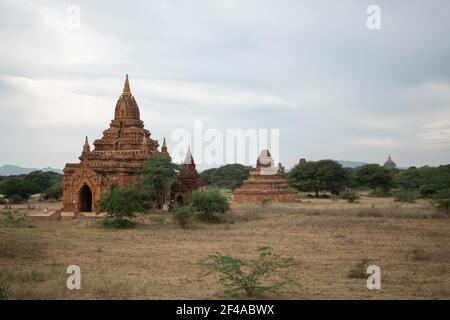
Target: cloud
x=311, y=69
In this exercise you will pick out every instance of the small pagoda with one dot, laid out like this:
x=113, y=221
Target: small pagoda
x=265, y=183
x=187, y=179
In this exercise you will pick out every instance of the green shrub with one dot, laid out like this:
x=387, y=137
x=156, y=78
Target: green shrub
x=13, y=219
x=350, y=196
x=182, y=215
x=117, y=223
x=265, y=201
x=442, y=200
x=359, y=270
x=3, y=200
x=209, y=202
x=119, y=204
x=419, y=254
x=267, y=273
x=406, y=196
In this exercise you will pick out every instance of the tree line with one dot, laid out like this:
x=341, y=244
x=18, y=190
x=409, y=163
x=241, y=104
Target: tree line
x=19, y=188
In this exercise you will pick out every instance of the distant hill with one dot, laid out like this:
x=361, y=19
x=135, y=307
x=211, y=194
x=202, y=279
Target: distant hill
x=11, y=170
x=351, y=164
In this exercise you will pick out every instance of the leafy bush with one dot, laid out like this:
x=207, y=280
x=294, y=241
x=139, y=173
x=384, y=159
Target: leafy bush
x=117, y=223
x=350, y=196
x=406, y=196
x=119, y=204
x=265, y=201
x=267, y=273
x=13, y=219
x=359, y=270
x=3, y=200
x=442, y=199
x=182, y=215
x=419, y=254
x=209, y=202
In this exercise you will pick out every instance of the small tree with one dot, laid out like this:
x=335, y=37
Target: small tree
x=267, y=273
x=120, y=204
x=209, y=202
x=318, y=176
x=442, y=199
x=373, y=176
x=158, y=173
x=181, y=215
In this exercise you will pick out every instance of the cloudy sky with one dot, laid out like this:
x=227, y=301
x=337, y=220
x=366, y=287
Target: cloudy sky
x=311, y=69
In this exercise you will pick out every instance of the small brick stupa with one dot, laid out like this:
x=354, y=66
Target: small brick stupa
x=264, y=183
x=188, y=179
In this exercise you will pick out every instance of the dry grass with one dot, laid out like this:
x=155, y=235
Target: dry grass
x=158, y=260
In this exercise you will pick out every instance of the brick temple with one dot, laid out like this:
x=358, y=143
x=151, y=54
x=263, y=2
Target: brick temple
x=265, y=182
x=188, y=179
x=117, y=158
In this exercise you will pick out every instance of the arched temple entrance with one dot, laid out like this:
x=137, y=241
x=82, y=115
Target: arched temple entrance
x=180, y=200
x=85, y=201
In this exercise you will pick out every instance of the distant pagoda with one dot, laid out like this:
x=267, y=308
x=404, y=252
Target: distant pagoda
x=389, y=164
x=265, y=183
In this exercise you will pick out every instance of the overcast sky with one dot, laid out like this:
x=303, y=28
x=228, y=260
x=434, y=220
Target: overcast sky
x=311, y=69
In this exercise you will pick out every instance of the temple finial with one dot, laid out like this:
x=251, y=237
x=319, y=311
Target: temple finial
x=164, y=147
x=189, y=158
x=126, y=87
x=86, y=141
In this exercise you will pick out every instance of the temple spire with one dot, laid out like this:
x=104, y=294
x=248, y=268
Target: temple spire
x=86, y=150
x=189, y=159
x=126, y=87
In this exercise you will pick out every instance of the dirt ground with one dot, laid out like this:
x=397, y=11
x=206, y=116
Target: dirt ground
x=158, y=260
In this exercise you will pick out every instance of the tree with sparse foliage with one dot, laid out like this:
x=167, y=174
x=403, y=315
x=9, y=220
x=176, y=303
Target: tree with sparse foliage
x=267, y=273
x=209, y=202
x=120, y=205
x=182, y=215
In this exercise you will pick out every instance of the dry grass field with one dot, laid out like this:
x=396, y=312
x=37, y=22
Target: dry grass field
x=158, y=260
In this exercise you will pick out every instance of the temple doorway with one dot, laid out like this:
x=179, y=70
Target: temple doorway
x=180, y=200
x=85, y=203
